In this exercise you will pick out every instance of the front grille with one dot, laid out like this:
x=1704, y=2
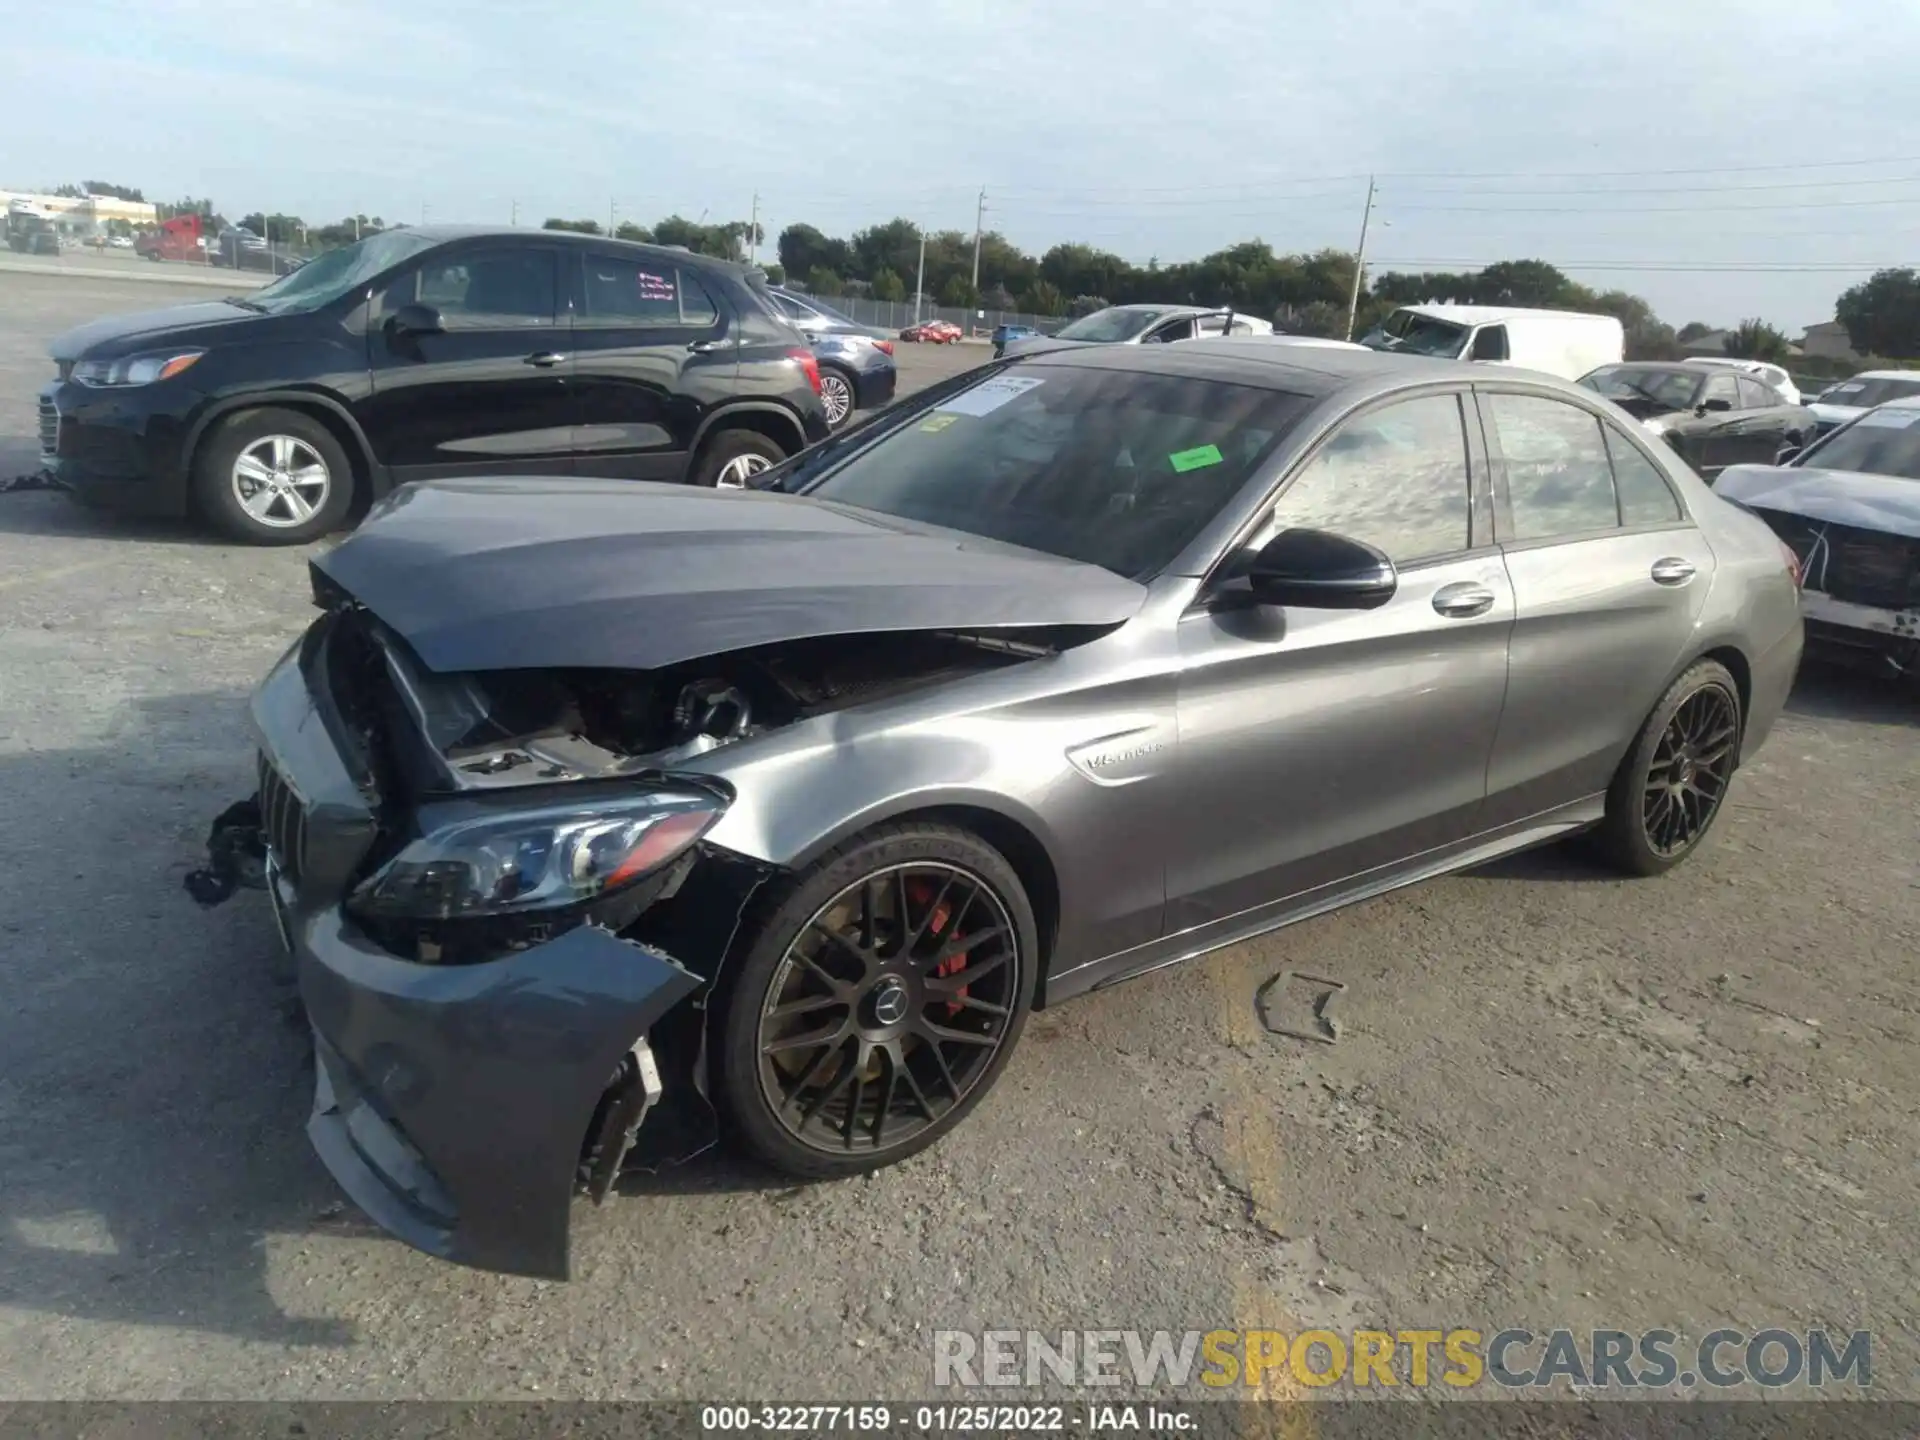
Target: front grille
x=49, y=426
x=1861, y=567
x=283, y=820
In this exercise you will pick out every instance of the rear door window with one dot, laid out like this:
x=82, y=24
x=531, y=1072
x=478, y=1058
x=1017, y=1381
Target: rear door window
x=1559, y=475
x=1645, y=497
x=618, y=290
x=1754, y=394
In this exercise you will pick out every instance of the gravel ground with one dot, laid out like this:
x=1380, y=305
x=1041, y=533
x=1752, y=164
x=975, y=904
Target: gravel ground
x=1558, y=1099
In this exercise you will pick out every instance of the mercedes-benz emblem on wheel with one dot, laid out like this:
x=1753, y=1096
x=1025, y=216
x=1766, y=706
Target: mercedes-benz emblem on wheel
x=890, y=1002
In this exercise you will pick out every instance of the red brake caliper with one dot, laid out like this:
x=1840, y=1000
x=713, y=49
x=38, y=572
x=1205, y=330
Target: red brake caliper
x=922, y=893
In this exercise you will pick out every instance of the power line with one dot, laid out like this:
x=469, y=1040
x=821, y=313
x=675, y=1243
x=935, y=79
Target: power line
x=1694, y=189
x=1639, y=209
x=1356, y=177
x=1674, y=267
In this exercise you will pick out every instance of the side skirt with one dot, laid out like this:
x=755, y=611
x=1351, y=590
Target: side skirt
x=1540, y=829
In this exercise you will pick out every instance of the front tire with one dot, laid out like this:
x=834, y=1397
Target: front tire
x=733, y=457
x=273, y=477
x=877, y=1000
x=1671, y=787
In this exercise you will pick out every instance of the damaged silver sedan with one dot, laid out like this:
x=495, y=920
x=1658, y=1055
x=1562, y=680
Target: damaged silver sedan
x=603, y=816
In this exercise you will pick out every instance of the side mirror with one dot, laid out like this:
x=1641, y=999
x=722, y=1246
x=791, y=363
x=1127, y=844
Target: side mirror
x=415, y=320
x=1316, y=570
x=1787, y=454
x=1715, y=405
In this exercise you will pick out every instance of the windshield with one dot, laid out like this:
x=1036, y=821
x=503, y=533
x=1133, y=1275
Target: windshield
x=1421, y=334
x=1668, y=389
x=327, y=277
x=1115, y=468
x=1868, y=393
x=1883, y=442
x=1108, y=326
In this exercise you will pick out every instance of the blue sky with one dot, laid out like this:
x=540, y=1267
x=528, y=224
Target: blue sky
x=1686, y=132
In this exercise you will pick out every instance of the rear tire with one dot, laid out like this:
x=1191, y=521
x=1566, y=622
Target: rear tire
x=733, y=457
x=839, y=396
x=868, y=1081
x=273, y=477
x=1673, y=783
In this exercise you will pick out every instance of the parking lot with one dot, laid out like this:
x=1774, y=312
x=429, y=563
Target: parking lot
x=1558, y=1099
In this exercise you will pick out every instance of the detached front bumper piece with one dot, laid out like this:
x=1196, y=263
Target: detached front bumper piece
x=453, y=1103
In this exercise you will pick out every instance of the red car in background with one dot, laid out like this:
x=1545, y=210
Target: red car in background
x=932, y=332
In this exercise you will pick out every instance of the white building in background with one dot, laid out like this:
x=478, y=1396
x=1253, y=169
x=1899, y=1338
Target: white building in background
x=85, y=215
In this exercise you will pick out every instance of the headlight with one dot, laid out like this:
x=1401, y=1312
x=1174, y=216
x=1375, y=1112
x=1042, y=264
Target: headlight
x=546, y=859
x=135, y=369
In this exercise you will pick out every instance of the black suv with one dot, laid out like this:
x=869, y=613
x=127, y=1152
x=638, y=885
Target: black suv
x=426, y=353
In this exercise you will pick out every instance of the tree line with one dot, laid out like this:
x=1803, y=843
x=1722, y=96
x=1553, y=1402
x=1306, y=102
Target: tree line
x=1305, y=293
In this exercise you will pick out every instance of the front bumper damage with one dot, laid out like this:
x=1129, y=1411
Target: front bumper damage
x=1881, y=637
x=462, y=1107
x=453, y=1105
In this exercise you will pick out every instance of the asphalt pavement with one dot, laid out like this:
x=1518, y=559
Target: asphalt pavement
x=1558, y=1098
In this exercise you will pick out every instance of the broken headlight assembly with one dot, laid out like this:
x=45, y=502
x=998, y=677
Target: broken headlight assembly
x=541, y=864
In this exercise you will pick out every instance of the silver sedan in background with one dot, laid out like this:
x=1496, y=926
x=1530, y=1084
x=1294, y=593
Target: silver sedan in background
x=585, y=804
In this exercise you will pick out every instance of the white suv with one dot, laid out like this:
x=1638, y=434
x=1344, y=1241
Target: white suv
x=1771, y=374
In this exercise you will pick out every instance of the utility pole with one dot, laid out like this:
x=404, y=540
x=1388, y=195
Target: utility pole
x=514, y=214
x=612, y=211
x=753, y=232
x=1359, y=260
x=920, y=277
x=979, y=219
x=423, y=212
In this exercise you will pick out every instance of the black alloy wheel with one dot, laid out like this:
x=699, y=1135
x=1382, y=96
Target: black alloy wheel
x=1670, y=788
x=892, y=1003
x=879, y=1001
x=1690, y=770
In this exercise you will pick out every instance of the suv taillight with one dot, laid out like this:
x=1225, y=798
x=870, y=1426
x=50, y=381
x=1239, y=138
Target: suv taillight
x=808, y=364
x=885, y=347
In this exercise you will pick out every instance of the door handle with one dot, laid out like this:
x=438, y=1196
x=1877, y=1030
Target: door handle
x=1463, y=600
x=544, y=359
x=1672, y=571
x=705, y=347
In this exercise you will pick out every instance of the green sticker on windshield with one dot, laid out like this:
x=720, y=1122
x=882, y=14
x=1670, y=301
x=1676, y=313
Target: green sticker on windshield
x=1196, y=459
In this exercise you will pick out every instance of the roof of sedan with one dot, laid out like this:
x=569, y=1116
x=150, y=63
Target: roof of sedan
x=1310, y=370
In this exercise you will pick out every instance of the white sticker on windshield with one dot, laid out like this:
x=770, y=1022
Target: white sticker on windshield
x=989, y=395
x=1893, y=419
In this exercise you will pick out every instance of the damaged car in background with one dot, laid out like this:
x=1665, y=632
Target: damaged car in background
x=601, y=817
x=1849, y=505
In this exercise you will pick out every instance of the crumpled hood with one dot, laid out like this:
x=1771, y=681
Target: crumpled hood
x=115, y=335
x=532, y=573
x=1841, y=497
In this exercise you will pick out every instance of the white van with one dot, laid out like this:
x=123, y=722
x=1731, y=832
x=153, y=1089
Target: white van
x=1560, y=342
